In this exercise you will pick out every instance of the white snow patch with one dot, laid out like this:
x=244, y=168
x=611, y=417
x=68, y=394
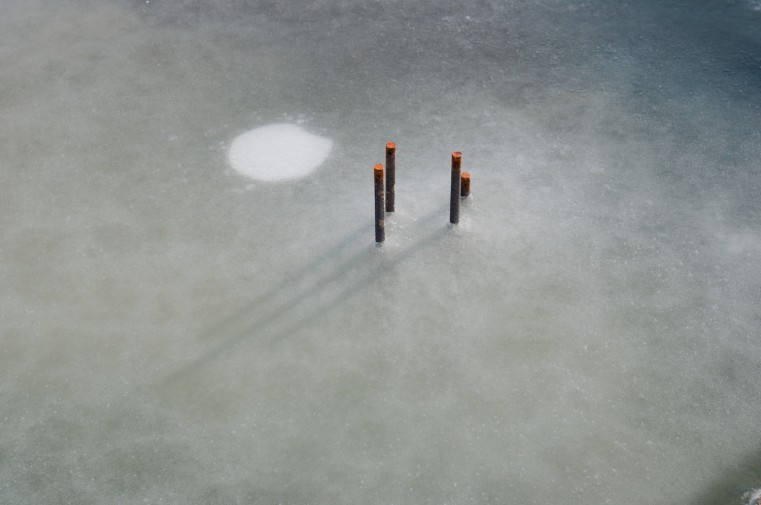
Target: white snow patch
x=278, y=152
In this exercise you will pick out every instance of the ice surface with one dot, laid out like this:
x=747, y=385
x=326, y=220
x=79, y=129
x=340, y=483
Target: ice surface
x=277, y=152
x=588, y=333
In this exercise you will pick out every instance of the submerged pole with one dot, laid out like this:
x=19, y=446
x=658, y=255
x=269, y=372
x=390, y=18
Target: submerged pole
x=454, y=197
x=390, y=175
x=380, y=229
x=465, y=184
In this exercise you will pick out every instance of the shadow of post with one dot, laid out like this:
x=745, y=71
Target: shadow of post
x=289, y=281
x=261, y=326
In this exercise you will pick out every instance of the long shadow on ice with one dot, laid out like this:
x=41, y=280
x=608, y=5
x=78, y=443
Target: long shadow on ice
x=287, y=310
x=289, y=282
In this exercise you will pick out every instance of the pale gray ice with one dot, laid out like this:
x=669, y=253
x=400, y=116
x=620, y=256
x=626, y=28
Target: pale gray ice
x=173, y=332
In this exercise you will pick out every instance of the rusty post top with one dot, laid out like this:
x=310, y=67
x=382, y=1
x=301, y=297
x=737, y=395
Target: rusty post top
x=465, y=175
x=456, y=160
x=390, y=146
x=378, y=171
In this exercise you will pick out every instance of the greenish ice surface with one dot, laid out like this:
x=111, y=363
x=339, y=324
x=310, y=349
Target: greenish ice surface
x=173, y=332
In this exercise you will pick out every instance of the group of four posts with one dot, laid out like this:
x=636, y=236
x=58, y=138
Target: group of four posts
x=460, y=188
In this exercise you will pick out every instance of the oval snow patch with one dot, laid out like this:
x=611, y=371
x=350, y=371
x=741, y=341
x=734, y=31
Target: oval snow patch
x=277, y=152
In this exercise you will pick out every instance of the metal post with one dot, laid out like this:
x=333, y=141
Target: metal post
x=390, y=175
x=465, y=184
x=380, y=229
x=454, y=197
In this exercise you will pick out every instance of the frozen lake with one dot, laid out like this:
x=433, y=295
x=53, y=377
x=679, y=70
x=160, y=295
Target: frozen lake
x=173, y=331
